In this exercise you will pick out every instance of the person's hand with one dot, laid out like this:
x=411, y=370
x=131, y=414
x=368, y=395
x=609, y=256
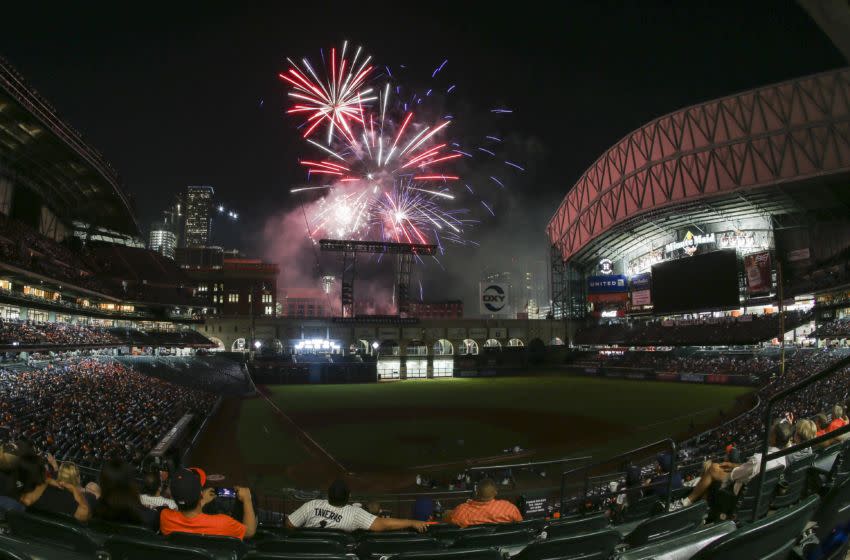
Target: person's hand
x=51, y=460
x=419, y=526
x=207, y=495
x=243, y=494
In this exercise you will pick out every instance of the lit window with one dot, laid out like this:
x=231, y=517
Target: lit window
x=267, y=298
x=202, y=287
x=269, y=310
x=233, y=298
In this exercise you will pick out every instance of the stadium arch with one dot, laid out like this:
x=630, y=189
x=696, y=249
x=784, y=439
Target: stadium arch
x=219, y=344
x=468, y=348
x=443, y=347
x=492, y=343
x=515, y=343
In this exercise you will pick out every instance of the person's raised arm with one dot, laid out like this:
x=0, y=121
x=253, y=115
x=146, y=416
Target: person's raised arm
x=82, y=513
x=249, y=518
x=392, y=524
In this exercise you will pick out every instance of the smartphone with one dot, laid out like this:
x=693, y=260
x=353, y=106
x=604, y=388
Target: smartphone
x=225, y=492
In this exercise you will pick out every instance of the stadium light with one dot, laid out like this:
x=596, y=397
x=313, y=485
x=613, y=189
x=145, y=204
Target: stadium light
x=221, y=208
x=257, y=344
x=375, y=345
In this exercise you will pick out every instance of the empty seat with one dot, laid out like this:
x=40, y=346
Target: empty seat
x=222, y=547
x=772, y=537
x=794, y=481
x=459, y=554
x=103, y=529
x=834, y=511
x=668, y=524
x=373, y=548
x=324, y=546
x=506, y=541
x=682, y=546
x=746, y=502
x=572, y=526
x=535, y=525
x=597, y=545
x=449, y=534
x=125, y=548
x=56, y=532
x=642, y=508
x=345, y=539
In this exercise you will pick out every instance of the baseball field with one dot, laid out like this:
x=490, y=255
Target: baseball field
x=384, y=434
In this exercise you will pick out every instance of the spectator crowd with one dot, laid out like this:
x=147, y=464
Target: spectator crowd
x=25, y=333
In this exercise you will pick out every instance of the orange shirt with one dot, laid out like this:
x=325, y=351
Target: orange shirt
x=171, y=521
x=476, y=513
x=835, y=424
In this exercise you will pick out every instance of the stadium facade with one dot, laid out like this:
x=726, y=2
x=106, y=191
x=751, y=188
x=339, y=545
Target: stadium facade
x=765, y=173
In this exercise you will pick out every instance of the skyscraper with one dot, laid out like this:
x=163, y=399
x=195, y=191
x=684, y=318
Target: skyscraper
x=198, y=202
x=162, y=239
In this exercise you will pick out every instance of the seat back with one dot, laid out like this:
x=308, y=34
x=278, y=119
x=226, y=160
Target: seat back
x=643, y=508
x=597, y=545
x=793, y=482
x=569, y=527
x=448, y=534
x=370, y=548
x=747, y=499
x=221, y=546
x=125, y=548
x=345, y=539
x=56, y=532
x=768, y=539
x=834, y=511
x=668, y=524
x=465, y=554
x=324, y=546
x=106, y=529
x=534, y=524
x=841, y=466
x=12, y=550
x=502, y=540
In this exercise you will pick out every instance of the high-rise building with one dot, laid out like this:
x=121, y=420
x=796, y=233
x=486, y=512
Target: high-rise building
x=163, y=240
x=198, y=201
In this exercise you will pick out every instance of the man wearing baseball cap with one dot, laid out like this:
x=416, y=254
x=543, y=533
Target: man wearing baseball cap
x=188, y=492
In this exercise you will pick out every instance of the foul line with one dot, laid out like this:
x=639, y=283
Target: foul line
x=304, y=434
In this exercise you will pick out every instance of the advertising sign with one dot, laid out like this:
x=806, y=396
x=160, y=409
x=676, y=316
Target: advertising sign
x=689, y=243
x=493, y=299
x=757, y=268
x=640, y=282
x=641, y=297
x=607, y=284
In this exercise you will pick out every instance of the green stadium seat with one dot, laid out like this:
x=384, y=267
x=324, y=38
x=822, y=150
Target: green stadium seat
x=224, y=548
x=510, y=542
x=375, y=548
x=770, y=538
x=360, y=535
x=256, y=555
x=683, y=546
x=345, y=539
x=598, y=545
x=324, y=546
x=834, y=511
x=51, y=531
x=101, y=530
x=125, y=548
x=572, y=526
x=460, y=554
x=644, y=507
x=11, y=549
x=668, y=524
x=534, y=524
x=793, y=483
x=448, y=534
x=746, y=501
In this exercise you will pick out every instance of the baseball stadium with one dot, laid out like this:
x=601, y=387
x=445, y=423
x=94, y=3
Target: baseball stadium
x=685, y=397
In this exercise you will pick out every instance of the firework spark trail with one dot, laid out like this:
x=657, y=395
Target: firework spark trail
x=381, y=165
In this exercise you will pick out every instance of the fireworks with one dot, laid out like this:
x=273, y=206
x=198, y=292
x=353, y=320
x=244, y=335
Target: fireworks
x=387, y=170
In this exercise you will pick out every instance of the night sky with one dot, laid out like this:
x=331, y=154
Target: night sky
x=179, y=93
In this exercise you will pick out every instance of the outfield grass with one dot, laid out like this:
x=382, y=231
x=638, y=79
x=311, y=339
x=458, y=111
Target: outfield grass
x=390, y=426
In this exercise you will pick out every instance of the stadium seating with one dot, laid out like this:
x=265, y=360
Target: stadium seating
x=793, y=483
x=314, y=546
x=124, y=548
x=597, y=545
x=448, y=534
x=375, y=548
x=225, y=548
x=60, y=533
x=746, y=502
x=570, y=526
x=509, y=542
x=768, y=538
x=668, y=524
x=683, y=546
x=834, y=510
x=345, y=539
x=465, y=554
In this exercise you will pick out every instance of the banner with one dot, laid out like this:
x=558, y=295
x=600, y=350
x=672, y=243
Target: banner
x=611, y=283
x=757, y=268
x=641, y=297
x=493, y=299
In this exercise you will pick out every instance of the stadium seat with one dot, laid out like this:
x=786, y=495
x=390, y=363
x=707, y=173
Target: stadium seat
x=668, y=524
x=448, y=534
x=772, y=537
x=223, y=547
x=834, y=511
x=257, y=555
x=52, y=531
x=125, y=548
x=572, y=526
x=506, y=541
x=793, y=483
x=324, y=546
x=462, y=554
x=534, y=524
x=644, y=507
x=597, y=545
x=360, y=535
x=342, y=538
x=101, y=530
x=746, y=500
x=375, y=548
x=683, y=546
x=11, y=549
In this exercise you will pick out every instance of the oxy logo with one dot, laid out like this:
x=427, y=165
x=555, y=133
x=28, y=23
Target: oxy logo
x=494, y=298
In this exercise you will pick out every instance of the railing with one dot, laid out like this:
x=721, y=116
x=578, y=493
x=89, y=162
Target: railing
x=837, y=367
x=587, y=471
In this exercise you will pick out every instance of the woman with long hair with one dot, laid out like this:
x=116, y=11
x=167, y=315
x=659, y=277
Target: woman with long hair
x=119, y=497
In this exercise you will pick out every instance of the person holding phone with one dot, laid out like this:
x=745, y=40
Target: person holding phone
x=188, y=492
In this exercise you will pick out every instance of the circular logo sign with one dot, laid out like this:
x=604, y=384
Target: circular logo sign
x=494, y=298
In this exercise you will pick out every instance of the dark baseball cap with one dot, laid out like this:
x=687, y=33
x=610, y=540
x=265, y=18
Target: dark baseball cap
x=185, y=487
x=338, y=493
